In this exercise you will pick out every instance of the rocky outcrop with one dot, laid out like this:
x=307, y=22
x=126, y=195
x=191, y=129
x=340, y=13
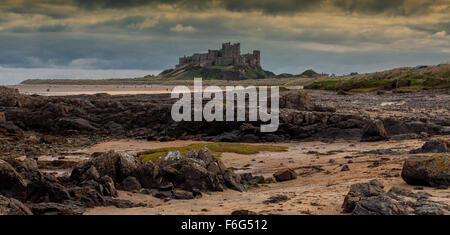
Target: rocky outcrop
x=118, y=166
x=11, y=206
x=296, y=100
x=11, y=182
x=374, y=131
x=433, y=146
x=371, y=199
x=196, y=171
x=149, y=117
x=2, y=117
x=285, y=174
x=428, y=171
x=51, y=208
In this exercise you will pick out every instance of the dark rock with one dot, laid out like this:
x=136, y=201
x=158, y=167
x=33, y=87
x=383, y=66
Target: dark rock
x=51, y=208
x=374, y=131
x=195, y=171
x=285, y=174
x=427, y=171
x=371, y=199
x=118, y=166
x=130, y=184
x=146, y=174
x=434, y=146
x=11, y=206
x=2, y=117
x=46, y=189
x=11, y=183
x=345, y=168
x=122, y=203
x=296, y=100
x=76, y=124
x=276, y=199
x=359, y=191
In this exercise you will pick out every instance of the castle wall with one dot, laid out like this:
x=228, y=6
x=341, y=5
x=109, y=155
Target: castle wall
x=230, y=54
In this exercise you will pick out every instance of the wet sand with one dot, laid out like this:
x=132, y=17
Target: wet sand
x=313, y=192
x=64, y=90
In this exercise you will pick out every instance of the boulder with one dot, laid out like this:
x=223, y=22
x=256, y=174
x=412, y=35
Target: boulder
x=118, y=166
x=427, y=171
x=51, y=208
x=11, y=183
x=46, y=189
x=371, y=199
x=195, y=171
x=374, y=131
x=296, y=100
x=360, y=191
x=11, y=206
x=130, y=184
x=2, y=117
x=146, y=174
x=285, y=174
x=433, y=146
x=76, y=124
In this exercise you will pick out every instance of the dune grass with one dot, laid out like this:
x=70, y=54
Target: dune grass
x=216, y=148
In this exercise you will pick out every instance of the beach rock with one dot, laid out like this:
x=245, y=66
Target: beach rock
x=51, y=208
x=108, y=187
x=76, y=124
x=118, y=166
x=374, y=131
x=130, y=184
x=433, y=146
x=119, y=203
x=46, y=189
x=30, y=164
x=296, y=100
x=2, y=117
x=427, y=171
x=371, y=199
x=276, y=199
x=345, y=168
x=195, y=171
x=11, y=206
x=359, y=191
x=285, y=174
x=146, y=174
x=10, y=129
x=11, y=183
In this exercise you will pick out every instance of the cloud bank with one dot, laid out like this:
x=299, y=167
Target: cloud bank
x=333, y=36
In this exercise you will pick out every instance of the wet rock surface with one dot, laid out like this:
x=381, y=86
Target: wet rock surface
x=285, y=174
x=372, y=199
x=83, y=120
x=433, y=146
x=427, y=171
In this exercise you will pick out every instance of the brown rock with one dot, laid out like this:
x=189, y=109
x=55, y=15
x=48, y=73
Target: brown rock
x=374, y=131
x=427, y=171
x=2, y=117
x=285, y=174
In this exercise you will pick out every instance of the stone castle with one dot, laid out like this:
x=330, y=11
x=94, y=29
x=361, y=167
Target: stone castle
x=230, y=54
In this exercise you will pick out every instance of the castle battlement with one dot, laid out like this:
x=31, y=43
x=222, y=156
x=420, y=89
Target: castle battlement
x=230, y=54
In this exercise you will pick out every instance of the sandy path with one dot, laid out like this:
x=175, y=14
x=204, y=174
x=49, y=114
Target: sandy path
x=312, y=192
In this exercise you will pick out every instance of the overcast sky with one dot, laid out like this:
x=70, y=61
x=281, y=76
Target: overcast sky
x=332, y=36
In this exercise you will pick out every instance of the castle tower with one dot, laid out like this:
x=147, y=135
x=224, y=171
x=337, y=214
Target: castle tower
x=257, y=56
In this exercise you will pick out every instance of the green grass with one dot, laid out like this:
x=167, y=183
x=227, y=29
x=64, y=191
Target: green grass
x=216, y=148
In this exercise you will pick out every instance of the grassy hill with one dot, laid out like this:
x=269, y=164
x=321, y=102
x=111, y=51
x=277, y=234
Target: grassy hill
x=407, y=79
x=188, y=72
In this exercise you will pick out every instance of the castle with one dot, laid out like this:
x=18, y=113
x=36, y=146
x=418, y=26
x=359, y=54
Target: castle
x=230, y=54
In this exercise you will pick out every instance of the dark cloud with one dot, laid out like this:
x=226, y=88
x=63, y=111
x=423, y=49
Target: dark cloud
x=400, y=7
